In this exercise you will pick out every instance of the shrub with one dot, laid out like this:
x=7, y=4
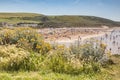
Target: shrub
x=33, y=62
x=26, y=38
x=14, y=59
x=58, y=61
x=11, y=57
x=89, y=55
x=88, y=52
x=106, y=61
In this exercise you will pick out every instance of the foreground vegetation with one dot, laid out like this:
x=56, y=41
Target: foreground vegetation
x=56, y=21
x=110, y=73
x=24, y=55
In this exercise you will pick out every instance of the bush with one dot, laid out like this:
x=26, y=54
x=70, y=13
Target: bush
x=58, y=61
x=33, y=62
x=14, y=59
x=89, y=55
x=88, y=52
x=26, y=38
x=11, y=57
x=106, y=61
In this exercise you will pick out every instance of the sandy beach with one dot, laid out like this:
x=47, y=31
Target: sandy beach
x=70, y=35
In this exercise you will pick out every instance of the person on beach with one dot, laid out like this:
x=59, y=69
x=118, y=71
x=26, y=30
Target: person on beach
x=110, y=49
x=79, y=38
x=106, y=35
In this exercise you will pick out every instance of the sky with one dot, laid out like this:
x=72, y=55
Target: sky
x=102, y=8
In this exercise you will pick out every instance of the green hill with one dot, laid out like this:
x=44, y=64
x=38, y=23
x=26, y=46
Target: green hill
x=18, y=17
x=77, y=21
x=5, y=15
x=56, y=21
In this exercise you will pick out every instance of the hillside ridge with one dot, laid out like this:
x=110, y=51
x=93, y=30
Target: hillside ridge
x=57, y=21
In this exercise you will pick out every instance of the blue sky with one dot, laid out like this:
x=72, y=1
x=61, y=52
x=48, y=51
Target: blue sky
x=103, y=8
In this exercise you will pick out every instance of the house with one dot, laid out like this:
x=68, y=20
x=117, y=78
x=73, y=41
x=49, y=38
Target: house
x=27, y=24
x=5, y=24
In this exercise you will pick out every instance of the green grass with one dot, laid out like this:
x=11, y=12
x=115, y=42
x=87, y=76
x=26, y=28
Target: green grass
x=7, y=15
x=16, y=20
x=110, y=73
x=50, y=76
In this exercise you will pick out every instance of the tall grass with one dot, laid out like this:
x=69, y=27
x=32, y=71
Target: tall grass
x=11, y=57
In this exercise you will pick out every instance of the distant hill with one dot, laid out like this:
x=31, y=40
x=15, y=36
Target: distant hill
x=7, y=15
x=56, y=21
x=18, y=17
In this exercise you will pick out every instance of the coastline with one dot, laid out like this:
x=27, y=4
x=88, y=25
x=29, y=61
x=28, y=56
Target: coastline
x=83, y=37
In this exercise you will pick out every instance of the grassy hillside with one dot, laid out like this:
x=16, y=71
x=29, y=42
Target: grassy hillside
x=77, y=21
x=56, y=21
x=7, y=15
x=17, y=17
